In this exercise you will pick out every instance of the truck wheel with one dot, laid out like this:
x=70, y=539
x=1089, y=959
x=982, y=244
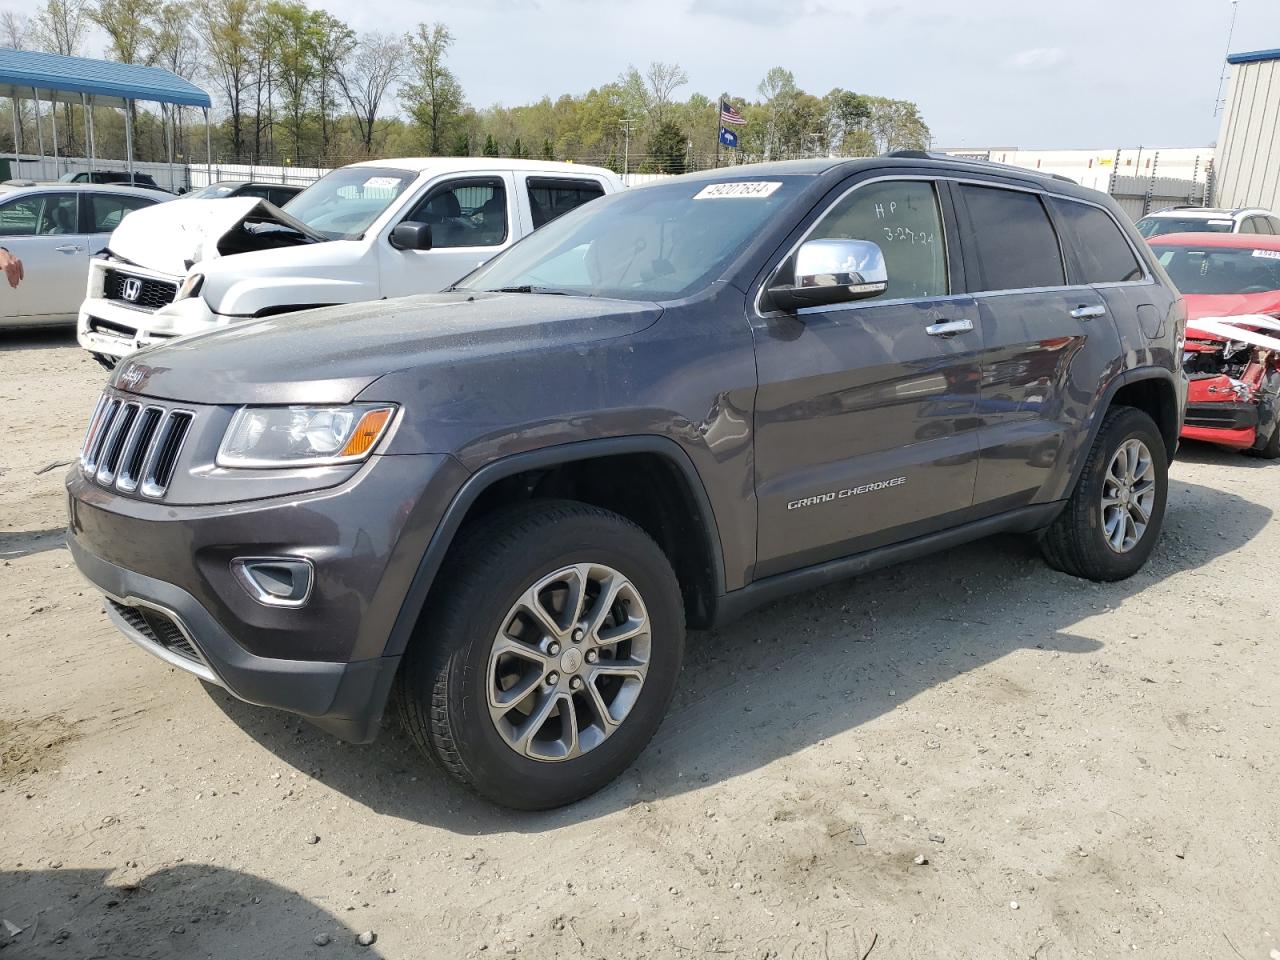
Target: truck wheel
x=1112, y=521
x=547, y=656
x=1271, y=449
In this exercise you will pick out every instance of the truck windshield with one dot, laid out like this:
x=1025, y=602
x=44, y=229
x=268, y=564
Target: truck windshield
x=342, y=204
x=1218, y=271
x=650, y=243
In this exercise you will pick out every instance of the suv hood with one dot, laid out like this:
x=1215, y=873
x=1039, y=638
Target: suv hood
x=171, y=237
x=331, y=355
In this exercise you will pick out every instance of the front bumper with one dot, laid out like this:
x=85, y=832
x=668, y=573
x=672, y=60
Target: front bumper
x=1230, y=423
x=165, y=572
x=112, y=329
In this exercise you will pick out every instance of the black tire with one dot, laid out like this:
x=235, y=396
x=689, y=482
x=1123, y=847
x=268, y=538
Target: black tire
x=1075, y=542
x=444, y=682
x=106, y=361
x=1271, y=449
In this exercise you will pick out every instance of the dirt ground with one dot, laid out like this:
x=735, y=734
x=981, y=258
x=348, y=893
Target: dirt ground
x=1089, y=771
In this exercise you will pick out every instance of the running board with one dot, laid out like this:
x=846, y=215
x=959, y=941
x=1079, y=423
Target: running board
x=731, y=606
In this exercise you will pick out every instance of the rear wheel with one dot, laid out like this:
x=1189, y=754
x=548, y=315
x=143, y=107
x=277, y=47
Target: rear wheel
x=1112, y=521
x=548, y=654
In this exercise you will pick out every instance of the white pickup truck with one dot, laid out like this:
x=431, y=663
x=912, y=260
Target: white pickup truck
x=383, y=228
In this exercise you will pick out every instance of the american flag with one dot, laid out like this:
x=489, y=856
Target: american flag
x=730, y=115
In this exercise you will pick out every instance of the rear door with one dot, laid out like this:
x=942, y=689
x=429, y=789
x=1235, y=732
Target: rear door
x=1048, y=342
x=43, y=230
x=865, y=429
x=471, y=218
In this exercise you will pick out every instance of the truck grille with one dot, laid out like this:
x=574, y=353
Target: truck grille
x=158, y=629
x=134, y=446
x=147, y=292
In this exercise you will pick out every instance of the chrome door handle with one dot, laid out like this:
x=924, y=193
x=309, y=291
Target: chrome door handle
x=1088, y=311
x=67, y=248
x=949, y=328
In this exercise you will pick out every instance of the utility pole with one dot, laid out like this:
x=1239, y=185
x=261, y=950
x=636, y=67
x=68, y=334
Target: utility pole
x=1222, y=78
x=626, y=142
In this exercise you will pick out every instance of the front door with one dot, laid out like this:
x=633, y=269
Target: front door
x=42, y=230
x=865, y=430
x=471, y=219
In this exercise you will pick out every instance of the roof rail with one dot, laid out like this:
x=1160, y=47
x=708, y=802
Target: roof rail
x=930, y=155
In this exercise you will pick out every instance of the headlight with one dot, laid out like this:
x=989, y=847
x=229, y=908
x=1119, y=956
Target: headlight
x=190, y=286
x=302, y=436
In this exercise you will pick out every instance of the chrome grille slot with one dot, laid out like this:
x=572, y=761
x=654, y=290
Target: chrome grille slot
x=101, y=432
x=138, y=449
x=91, y=434
x=170, y=438
x=113, y=448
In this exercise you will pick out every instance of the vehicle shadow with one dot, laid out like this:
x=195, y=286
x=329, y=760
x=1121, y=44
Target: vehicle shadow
x=38, y=338
x=186, y=910
x=797, y=671
x=27, y=543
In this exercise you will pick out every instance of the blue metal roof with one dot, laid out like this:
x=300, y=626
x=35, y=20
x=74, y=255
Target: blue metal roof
x=1255, y=57
x=59, y=77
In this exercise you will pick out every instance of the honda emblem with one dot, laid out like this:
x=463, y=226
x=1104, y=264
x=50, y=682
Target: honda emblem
x=132, y=289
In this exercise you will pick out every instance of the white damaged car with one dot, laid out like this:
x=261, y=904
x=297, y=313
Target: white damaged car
x=383, y=228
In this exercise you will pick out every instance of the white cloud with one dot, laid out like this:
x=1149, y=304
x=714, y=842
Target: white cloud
x=1037, y=60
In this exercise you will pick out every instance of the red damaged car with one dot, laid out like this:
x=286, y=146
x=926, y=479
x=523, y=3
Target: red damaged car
x=1231, y=282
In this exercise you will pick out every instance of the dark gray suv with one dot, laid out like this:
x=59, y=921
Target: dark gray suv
x=506, y=501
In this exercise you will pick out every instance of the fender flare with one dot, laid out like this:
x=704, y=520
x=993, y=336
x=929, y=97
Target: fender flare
x=446, y=530
x=1123, y=379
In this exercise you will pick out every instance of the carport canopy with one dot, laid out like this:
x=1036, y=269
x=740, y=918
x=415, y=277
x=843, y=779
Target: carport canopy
x=55, y=77
x=31, y=74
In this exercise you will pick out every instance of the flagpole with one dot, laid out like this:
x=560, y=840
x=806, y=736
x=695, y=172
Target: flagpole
x=719, y=108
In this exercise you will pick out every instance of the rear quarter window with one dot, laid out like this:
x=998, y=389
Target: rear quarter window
x=1100, y=249
x=1014, y=240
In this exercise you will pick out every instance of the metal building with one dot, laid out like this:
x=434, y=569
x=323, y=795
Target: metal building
x=1247, y=171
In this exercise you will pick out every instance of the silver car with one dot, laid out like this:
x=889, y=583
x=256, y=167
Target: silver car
x=54, y=228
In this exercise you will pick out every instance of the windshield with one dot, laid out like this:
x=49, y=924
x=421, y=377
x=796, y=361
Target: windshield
x=342, y=204
x=1218, y=271
x=214, y=191
x=1158, y=226
x=652, y=243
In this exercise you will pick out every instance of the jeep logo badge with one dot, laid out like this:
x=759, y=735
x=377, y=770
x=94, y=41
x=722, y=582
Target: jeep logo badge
x=132, y=376
x=132, y=289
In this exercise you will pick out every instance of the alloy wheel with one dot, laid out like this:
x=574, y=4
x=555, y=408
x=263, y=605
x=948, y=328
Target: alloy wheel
x=1128, y=495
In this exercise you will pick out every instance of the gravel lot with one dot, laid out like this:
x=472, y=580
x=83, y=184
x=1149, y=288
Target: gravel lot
x=1087, y=770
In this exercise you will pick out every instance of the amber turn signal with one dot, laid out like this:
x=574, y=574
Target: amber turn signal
x=367, y=432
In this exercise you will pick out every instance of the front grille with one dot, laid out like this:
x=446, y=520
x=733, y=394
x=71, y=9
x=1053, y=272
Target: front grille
x=151, y=294
x=134, y=446
x=158, y=628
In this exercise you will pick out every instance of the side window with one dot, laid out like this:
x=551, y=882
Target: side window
x=1098, y=243
x=41, y=215
x=107, y=210
x=1262, y=225
x=1248, y=226
x=263, y=193
x=465, y=213
x=549, y=199
x=1016, y=246
x=904, y=218
x=280, y=196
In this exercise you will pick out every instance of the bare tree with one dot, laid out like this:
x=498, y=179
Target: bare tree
x=377, y=61
x=175, y=47
x=662, y=81
x=15, y=29
x=60, y=27
x=226, y=28
x=127, y=24
x=433, y=94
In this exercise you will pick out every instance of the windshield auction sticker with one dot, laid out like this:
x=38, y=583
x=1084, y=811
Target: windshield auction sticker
x=749, y=189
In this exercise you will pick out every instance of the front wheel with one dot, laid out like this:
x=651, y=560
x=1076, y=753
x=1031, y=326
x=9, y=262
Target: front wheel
x=548, y=654
x=1112, y=521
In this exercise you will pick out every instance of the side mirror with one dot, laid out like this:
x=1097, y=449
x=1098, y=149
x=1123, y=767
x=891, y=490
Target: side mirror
x=411, y=235
x=828, y=272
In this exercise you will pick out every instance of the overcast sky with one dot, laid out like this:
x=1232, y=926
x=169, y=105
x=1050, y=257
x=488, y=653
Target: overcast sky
x=1019, y=73
x=1010, y=73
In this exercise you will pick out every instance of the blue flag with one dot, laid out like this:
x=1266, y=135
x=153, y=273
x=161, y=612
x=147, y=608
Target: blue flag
x=728, y=137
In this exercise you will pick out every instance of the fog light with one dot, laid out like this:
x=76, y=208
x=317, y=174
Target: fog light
x=275, y=581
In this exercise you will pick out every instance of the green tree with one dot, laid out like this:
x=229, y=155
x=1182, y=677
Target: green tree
x=226, y=28
x=548, y=151
x=433, y=96
x=667, y=149
x=490, y=146
x=290, y=25
x=332, y=43
x=462, y=145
